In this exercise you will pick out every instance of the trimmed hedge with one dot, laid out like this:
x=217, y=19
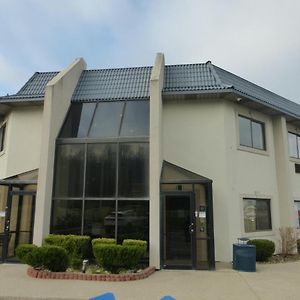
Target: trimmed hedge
x=77, y=246
x=52, y=258
x=55, y=258
x=139, y=243
x=114, y=257
x=264, y=249
x=23, y=250
x=105, y=241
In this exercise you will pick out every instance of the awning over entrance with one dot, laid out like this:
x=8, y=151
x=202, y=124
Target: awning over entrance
x=175, y=174
x=26, y=178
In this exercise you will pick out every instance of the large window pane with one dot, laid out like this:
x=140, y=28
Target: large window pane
x=69, y=170
x=100, y=218
x=78, y=120
x=107, y=119
x=293, y=145
x=134, y=170
x=257, y=135
x=136, y=119
x=133, y=220
x=245, y=132
x=66, y=217
x=101, y=170
x=257, y=215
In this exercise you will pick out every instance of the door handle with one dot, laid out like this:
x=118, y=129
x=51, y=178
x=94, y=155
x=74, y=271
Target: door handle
x=191, y=228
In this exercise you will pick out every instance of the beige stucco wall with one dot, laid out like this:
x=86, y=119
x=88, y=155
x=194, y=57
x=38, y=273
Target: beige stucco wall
x=56, y=104
x=202, y=136
x=22, y=141
x=155, y=158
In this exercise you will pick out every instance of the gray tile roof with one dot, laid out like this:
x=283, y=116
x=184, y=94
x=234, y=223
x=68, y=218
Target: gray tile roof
x=192, y=77
x=257, y=93
x=34, y=88
x=133, y=83
x=113, y=84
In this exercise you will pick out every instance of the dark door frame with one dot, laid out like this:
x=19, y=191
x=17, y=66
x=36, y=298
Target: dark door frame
x=6, y=234
x=191, y=196
x=210, y=223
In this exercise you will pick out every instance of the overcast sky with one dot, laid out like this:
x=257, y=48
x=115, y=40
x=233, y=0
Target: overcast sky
x=258, y=40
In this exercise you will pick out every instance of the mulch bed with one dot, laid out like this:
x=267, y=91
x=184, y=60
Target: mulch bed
x=279, y=258
x=95, y=277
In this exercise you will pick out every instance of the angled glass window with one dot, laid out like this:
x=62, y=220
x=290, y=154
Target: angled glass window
x=252, y=133
x=69, y=170
x=134, y=170
x=78, y=120
x=136, y=119
x=101, y=170
x=2, y=137
x=294, y=145
x=106, y=122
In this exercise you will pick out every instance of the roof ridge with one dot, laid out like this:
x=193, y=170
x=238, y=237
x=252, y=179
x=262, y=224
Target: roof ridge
x=182, y=65
x=215, y=74
x=125, y=68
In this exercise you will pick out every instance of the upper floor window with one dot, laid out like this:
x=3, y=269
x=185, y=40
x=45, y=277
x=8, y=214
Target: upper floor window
x=2, y=136
x=107, y=120
x=294, y=145
x=252, y=133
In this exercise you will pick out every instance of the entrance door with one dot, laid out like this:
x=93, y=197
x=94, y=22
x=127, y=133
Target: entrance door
x=18, y=224
x=178, y=231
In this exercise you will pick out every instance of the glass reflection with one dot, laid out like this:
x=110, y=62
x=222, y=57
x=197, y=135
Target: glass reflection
x=134, y=170
x=133, y=220
x=99, y=218
x=78, y=120
x=136, y=119
x=69, y=170
x=245, y=132
x=101, y=170
x=106, y=122
x=66, y=218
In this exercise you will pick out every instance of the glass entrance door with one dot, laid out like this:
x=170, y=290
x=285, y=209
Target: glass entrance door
x=178, y=231
x=18, y=222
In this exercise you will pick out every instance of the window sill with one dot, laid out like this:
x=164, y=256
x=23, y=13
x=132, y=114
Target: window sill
x=295, y=160
x=259, y=234
x=253, y=150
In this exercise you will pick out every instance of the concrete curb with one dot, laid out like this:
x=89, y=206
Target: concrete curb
x=92, y=277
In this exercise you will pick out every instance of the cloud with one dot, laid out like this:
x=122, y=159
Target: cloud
x=257, y=40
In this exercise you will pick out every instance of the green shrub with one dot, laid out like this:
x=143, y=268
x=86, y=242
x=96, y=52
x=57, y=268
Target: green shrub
x=264, y=249
x=35, y=258
x=139, y=243
x=113, y=257
x=76, y=263
x=105, y=241
x=77, y=246
x=23, y=250
x=54, y=258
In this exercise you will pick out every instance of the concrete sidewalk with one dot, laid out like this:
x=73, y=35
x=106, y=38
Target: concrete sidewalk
x=271, y=281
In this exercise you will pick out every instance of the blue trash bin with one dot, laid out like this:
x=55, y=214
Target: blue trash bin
x=244, y=257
